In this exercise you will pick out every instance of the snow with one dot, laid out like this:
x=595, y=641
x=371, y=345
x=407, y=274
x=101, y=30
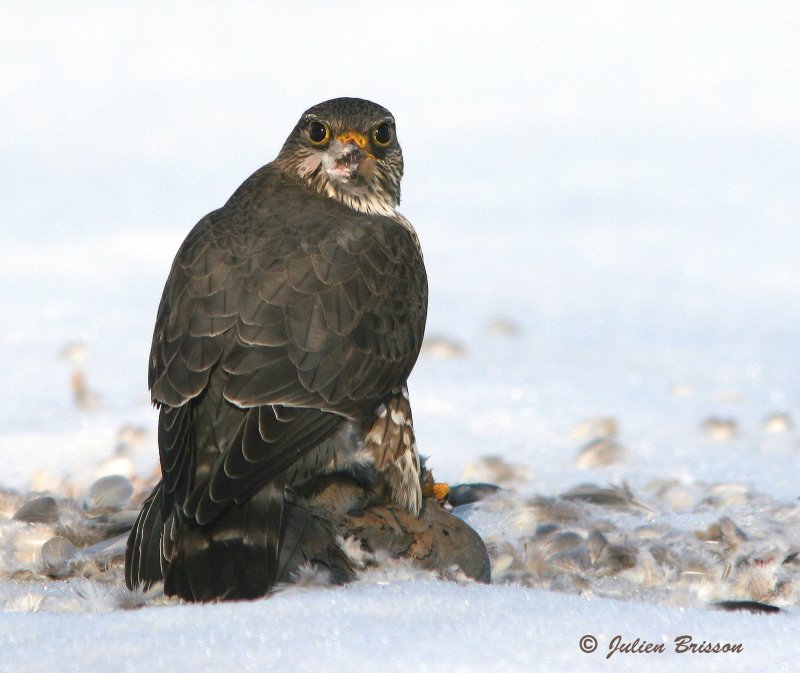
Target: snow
x=400, y=626
x=607, y=197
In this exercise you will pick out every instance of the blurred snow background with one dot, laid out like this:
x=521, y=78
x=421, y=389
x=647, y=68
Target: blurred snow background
x=608, y=199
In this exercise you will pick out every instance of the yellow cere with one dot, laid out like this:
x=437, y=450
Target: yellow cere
x=352, y=136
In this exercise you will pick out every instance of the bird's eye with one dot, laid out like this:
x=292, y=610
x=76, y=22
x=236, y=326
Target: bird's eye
x=382, y=134
x=319, y=133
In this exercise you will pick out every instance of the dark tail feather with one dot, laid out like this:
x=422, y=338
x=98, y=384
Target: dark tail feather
x=240, y=555
x=234, y=557
x=143, y=551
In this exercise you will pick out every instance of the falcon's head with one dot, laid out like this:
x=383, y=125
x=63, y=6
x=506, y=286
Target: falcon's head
x=347, y=149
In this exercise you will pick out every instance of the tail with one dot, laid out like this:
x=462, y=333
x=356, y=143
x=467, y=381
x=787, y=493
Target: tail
x=233, y=557
x=143, y=552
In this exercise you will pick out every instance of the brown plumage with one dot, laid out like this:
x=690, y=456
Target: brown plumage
x=288, y=326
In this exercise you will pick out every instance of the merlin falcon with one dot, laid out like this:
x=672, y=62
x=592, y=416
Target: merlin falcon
x=287, y=329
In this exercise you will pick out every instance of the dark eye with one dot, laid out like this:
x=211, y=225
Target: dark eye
x=382, y=135
x=319, y=133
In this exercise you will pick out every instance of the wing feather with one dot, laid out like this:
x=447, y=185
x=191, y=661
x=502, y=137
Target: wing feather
x=276, y=324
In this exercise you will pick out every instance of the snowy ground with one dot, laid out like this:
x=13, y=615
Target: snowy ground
x=608, y=201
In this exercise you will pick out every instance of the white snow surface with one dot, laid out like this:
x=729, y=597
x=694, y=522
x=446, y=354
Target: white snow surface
x=608, y=197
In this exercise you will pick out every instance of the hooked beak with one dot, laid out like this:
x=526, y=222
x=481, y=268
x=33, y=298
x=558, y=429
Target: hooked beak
x=350, y=160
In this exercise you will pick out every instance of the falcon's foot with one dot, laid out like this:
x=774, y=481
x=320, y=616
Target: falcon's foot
x=438, y=491
x=432, y=488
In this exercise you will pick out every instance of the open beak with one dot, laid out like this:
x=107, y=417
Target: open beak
x=352, y=156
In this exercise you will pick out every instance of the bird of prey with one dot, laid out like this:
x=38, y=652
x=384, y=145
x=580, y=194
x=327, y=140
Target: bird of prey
x=287, y=329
